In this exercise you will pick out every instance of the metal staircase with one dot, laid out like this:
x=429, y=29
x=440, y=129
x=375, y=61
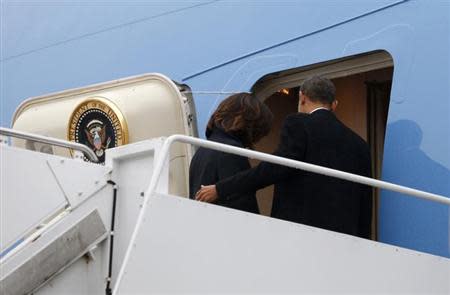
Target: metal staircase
x=55, y=234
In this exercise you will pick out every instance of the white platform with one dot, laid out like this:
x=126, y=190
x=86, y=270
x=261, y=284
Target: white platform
x=189, y=247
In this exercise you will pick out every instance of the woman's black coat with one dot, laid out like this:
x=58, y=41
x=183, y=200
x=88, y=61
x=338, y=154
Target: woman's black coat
x=210, y=166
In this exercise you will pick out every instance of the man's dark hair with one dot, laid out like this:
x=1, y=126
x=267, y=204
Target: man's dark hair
x=319, y=89
x=244, y=116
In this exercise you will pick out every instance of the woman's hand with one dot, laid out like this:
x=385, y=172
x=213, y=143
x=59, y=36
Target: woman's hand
x=207, y=193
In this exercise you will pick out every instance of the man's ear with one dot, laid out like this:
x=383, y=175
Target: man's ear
x=301, y=103
x=334, y=105
x=302, y=99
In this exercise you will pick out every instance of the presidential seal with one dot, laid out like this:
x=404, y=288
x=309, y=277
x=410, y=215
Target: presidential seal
x=99, y=124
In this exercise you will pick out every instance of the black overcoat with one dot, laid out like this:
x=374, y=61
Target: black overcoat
x=209, y=166
x=309, y=198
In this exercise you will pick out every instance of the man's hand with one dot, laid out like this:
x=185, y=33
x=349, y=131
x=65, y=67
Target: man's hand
x=207, y=193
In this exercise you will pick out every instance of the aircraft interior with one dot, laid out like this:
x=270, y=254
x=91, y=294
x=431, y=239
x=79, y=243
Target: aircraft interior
x=363, y=97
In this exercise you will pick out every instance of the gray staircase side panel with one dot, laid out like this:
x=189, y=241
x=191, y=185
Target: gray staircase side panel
x=57, y=255
x=190, y=247
x=27, y=187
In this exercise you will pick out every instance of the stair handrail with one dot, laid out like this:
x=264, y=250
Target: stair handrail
x=50, y=140
x=164, y=153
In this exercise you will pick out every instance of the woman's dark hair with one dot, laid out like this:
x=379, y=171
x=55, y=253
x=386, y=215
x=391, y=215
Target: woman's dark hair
x=244, y=116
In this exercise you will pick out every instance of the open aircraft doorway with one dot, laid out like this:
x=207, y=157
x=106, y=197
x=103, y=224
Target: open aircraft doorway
x=363, y=86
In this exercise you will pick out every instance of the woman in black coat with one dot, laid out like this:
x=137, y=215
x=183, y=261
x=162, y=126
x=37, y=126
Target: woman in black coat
x=240, y=120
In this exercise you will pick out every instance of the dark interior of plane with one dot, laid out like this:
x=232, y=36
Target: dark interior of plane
x=363, y=107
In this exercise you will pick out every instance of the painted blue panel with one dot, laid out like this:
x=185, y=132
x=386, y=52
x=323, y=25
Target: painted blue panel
x=176, y=44
x=405, y=221
x=418, y=140
x=227, y=46
x=37, y=25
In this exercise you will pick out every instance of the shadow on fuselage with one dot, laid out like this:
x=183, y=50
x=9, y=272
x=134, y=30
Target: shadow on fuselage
x=407, y=221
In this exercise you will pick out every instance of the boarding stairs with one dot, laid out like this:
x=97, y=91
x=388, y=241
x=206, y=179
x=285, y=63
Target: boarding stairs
x=74, y=227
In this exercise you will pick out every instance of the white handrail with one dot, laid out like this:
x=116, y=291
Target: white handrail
x=263, y=157
x=50, y=140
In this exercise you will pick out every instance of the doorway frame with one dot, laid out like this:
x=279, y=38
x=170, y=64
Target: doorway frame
x=332, y=69
x=338, y=68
